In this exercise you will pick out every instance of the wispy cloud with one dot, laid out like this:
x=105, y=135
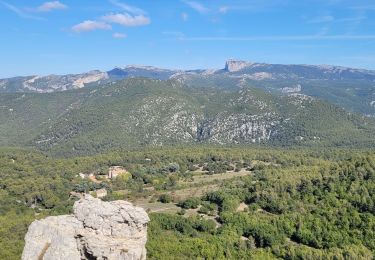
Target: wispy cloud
x=363, y=7
x=285, y=38
x=50, y=6
x=200, y=8
x=248, y=6
x=89, y=25
x=224, y=9
x=176, y=35
x=351, y=19
x=322, y=19
x=126, y=19
x=184, y=17
x=332, y=19
x=128, y=8
x=119, y=35
x=21, y=13
x=236, y=6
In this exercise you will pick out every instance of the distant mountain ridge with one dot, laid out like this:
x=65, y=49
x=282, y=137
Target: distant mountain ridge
x=352, y=89
x=250, y=70
x=52, y=83
x=141, y=112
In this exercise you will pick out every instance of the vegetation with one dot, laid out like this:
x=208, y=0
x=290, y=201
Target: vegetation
x=135, y=113
x=299, y=203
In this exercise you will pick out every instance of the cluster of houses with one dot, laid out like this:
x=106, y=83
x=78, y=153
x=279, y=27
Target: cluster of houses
x=113, y=173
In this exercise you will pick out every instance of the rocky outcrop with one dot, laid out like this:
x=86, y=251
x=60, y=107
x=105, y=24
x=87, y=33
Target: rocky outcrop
x=96, y=230
x=236, y=65
x=90, y=77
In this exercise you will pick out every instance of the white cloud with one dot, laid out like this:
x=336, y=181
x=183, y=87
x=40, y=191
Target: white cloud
x=184, y=17
x=20, y=12
x=200, y=8
x=223, y=9
x=119, y=35
x=128, y=8
x=126, y=19
x=89, y=25
x=49, y=6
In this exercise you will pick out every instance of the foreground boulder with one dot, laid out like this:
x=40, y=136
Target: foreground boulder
x=96, y=230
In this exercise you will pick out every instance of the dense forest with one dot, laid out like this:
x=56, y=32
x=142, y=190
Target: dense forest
x=251, y=203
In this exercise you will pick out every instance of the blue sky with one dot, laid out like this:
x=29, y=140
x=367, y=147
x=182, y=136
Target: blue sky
x=72, y=36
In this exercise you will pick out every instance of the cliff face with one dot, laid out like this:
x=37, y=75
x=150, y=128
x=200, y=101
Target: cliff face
x=236, y=65
x=96, y=230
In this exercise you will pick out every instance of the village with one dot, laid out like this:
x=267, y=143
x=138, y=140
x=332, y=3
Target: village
x=164, y=201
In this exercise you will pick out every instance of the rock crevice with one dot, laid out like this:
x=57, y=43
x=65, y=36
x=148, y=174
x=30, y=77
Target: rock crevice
x=96, y=230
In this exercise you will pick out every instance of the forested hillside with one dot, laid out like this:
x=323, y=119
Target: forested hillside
x=215, y=203
x=142, y=112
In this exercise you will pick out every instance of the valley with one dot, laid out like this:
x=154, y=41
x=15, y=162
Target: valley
x=225, y=166
x=190, y=129
x=247, y=202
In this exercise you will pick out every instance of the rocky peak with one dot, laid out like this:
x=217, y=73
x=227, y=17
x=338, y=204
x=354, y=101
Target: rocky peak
x=96, y=230
x=236, y=65
x=90, y=77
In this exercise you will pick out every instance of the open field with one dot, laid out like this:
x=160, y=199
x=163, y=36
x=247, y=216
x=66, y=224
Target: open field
x=156, y=206
x=205, y=178
x=177, y=195
x=200, y=185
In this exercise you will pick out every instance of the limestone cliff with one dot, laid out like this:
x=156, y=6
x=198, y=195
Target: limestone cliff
x=236, y=65
x=96, y=230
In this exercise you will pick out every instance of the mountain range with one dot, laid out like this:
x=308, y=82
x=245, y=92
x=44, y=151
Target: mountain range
x=141, y=112
x=351, y=89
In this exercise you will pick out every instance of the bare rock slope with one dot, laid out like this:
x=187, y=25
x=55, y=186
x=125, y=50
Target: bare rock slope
x=96, y=230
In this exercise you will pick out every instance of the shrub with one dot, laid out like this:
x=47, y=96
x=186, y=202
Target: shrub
x=165, y=198
x=190, y=203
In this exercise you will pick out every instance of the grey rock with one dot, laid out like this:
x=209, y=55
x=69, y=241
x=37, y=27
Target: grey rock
x=236, y=65
x=96, y=230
